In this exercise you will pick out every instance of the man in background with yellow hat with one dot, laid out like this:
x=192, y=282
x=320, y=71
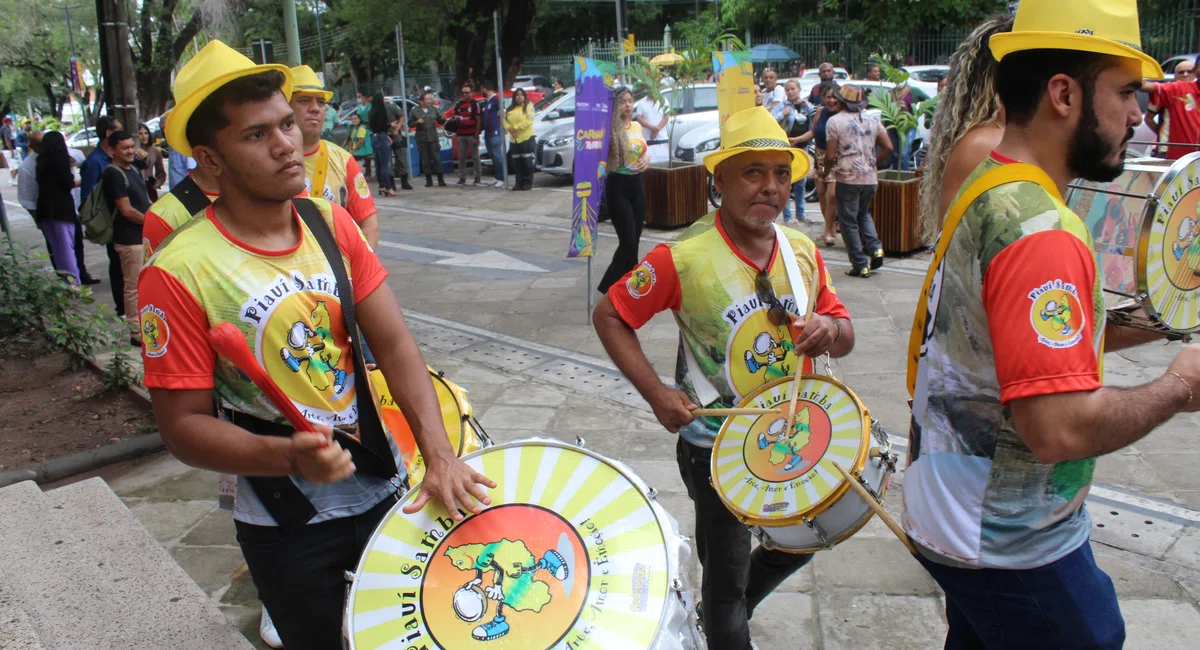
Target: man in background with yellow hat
x=1009, y=410
x=275, y=269
x=331, y=172
x=727, y=279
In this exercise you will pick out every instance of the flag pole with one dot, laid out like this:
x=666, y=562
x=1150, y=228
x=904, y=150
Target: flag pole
x=503, y=162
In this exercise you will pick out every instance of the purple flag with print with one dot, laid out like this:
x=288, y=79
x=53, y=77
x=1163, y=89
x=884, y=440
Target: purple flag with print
x=593, y=105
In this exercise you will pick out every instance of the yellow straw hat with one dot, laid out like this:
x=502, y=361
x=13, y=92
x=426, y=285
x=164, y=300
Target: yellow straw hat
x=214, y=66
x=1101, y=26
x=306, y=81
x=753, y=129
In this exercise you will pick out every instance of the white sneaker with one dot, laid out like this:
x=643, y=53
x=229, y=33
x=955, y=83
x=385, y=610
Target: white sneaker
x=266, y=630
x=498, y=184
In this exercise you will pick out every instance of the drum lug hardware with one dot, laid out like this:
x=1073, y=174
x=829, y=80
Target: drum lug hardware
x=676, y=585
x=652, y=493
x=580, y=442
x=858, y=477
x=348, y=576
x=816, y=529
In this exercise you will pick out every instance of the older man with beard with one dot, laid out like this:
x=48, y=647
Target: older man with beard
x=1009, y=408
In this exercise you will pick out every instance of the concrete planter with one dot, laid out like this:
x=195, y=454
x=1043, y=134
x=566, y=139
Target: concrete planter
x=676, y=194
x=896, y=210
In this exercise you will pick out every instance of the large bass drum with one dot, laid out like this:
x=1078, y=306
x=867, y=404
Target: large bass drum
x=574, y=552
x=1146, y=235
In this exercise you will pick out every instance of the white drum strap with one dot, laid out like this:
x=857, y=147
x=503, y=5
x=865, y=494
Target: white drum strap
x=799, y=286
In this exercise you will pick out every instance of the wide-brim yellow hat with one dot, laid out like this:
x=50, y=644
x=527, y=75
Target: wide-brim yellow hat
x=753, y=129
x=214, y=66
x=1100, y=26
x=305, y=81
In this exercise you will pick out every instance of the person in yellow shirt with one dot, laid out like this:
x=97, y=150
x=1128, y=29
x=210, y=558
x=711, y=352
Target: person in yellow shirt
x=518, y=121
x=331, y=172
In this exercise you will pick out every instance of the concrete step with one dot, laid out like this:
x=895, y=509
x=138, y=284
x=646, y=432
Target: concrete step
x=153, y=592
x=16, y=627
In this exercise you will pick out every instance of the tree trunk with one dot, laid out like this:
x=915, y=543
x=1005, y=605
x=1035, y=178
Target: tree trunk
x=514, y=31
x=159, y=47
x=56, y=105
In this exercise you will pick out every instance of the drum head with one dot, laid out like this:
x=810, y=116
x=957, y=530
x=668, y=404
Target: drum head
x=455, y=414
x=570, y=553
x=1170, y=249
x=771, y=476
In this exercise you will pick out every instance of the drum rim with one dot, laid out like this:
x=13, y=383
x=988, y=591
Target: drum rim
x=460, y=402
x=636, y=481
x=1142, y=252
x=824, y=504
x=845, y=536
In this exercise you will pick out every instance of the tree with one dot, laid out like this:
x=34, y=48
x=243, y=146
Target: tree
x=161, y=31
x=35, y=54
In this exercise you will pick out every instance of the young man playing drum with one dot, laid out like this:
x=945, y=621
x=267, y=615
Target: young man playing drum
x=727, y=282
x=1009, y=411
x=306, y=502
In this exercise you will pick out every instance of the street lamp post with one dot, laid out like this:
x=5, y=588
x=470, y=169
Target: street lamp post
x=71, y=43
x=320, y=38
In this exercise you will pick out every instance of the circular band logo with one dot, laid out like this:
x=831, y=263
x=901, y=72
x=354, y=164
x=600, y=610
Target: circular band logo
x=1056, y=314
x=641, y=280
x=155, y=332
x=1181, y=243
x=516, y=575
x=777, y=455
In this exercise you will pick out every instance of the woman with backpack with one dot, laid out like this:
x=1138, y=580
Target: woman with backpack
x=56, y=216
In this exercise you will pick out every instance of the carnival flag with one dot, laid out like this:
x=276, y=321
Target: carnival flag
x=593, y=106
x=735, y=82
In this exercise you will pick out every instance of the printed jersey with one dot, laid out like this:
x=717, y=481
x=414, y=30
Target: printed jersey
x=345, y=184
x=636, y=150
x=286, y=305
x=1017, y=312
x=725, y=335
x=1178, y=101
x=167, y=214
x=855, y=134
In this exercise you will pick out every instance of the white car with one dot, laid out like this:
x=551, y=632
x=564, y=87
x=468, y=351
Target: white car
x=84, y=140
x=812, y=77
x=926, y=77
x=554, y=110
x=556, y=150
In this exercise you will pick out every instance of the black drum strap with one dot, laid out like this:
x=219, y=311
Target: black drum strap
x=193, y=198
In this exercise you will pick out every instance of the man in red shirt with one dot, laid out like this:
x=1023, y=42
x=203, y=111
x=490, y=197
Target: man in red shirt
x=467, y=115
x=1173, y=110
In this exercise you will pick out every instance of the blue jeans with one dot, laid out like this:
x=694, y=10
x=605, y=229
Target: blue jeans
x=383, y=160
x=495, y=149
x=798, y=196
x=1068, y=604
x=854, y=216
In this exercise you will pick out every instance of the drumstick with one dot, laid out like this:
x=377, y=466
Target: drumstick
x=812, y=302
x=737, y=411
x=229, y=342
x=875, y=506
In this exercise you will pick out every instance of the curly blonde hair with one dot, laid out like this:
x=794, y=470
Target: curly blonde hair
x=618, y=143
x=968, y=101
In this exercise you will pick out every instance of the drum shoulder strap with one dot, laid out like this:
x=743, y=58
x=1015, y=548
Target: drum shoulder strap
x=1003, y=175
x=369, y=425
x=188, y=192
x=321, y=170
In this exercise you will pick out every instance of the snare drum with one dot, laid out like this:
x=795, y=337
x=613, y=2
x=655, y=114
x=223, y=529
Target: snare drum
x=573, y=552
x=783, y=483
x=464, y=431
x=1146, y=235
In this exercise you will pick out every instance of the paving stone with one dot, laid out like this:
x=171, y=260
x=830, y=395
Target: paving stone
x=1186, y=550
x=1157, y=624
x=873, y=565
x=209, y=567
x=784, y=621
x=215, y=529
x=245, y=619
x=196, y=484
x=854, y=621
x=1177, y=468
x=803, y=580
x=241, y=589
x=169, y=520
x=529, y=418
x=148, y=471
x=661, y=475
x=1129, y=471
x=1132, y=581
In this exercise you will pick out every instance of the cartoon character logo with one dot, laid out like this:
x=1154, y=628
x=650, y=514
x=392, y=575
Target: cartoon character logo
x=641, y=280
x=768, y=352
x=1187, y=240
x=515, y=582
x=321, y=354
x=785, y=445
x=155, y=332
x=360, y=186
x=1056, y=314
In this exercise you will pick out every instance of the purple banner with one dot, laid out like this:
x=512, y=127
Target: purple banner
x=593, y=105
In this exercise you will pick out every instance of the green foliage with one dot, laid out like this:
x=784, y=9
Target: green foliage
x=35, y=52
x=893, y=115
x=35, y=302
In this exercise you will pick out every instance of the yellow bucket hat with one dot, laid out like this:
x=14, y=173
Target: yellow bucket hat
x=214, y=66
x=1101, y=26
x=306, y=81
x=753, y=129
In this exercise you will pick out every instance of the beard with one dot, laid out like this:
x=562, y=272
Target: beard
x=1088, y=153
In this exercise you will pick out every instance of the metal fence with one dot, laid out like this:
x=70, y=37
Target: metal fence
x=1172, y=36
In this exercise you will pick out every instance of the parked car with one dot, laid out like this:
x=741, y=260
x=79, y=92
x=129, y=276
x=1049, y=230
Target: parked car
x=554, y=110
x=1168, y=66
x=556, y=150
x=926, y=77
x=84, y=140
x=537, y=82
x=811, y=77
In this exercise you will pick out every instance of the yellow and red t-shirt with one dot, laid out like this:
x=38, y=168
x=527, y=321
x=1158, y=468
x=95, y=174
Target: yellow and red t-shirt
x=725, y=334
x=344, y=185
x=285, y=302
x=167, y=214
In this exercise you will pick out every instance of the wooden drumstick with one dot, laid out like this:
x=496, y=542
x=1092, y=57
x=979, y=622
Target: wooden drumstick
x=813, y=287
x=735, y=411
x=876, y=507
